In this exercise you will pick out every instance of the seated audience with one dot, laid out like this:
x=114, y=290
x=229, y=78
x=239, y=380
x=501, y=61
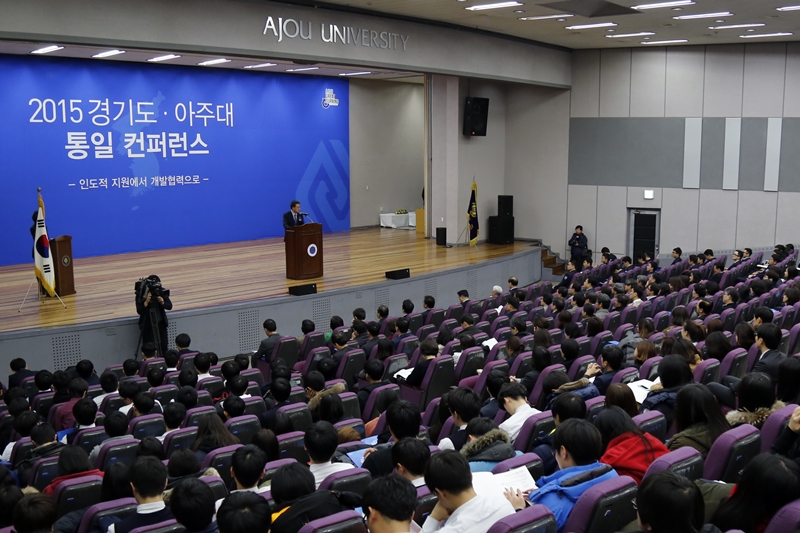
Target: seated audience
x=565, y=406
x=109, y=383
x=448, y=476
x=578, y=447
x=628, y=449
x=85, y=371
x=19, y=371
x=64, y=418
x=148, y=477
x=557, y=383
x=403, y=420
x=494, y=381
x=321, y=441
x=410, y=455
x=331, y=409
x=464, y=406
x=128, y=390
x=486, y=446
x=23, y=424
x=389, y=504
x=698, y=418
x=115, y=426
x=767, y=483
x=187, y=396
x=621, y=395
x=316, y=390
x=540, y=359
x=373, y=372
x=669, y=503
x=674, y=374
x=35, y=513
x=73, y=462
x=211, y=434
x=428, y=351
x=10, y=495
x=612, y=359
x=280, y=390
x=192, y=504
x=151, y=446
x=756, y=400
x=513, y=399
x=43, y=437
x=247, y=469
x=174, y=415
x=788, y=389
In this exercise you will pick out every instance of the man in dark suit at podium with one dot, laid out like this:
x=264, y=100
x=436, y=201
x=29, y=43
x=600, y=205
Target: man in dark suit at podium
x=293, y=217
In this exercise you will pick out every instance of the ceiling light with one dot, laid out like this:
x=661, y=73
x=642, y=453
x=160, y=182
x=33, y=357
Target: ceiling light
x=640, y=34
x=562, y=20
x=560, y=17
x=704, y=16
x=759, y=35
x=751, y=29
x=664, y=4
x=590, y=26
x=354, y=73
x=720, y=21
x=163, y=58
x=262, y=65
x=48, y=49
x=301, y=69
x=461, y=0
x=789, y=8
x=498, y=5
x=736, y=26
x=672, y=41
x=109, y=53
x=519, y=11
x=213, y=62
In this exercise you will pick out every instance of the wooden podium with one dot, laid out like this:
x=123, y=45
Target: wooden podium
x=61, y=248
x=304, y=251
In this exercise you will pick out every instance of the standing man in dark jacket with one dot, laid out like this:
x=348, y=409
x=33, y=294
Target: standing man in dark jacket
x=578, y=244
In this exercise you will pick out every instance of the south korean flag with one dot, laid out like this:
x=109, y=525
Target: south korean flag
x=43, y=259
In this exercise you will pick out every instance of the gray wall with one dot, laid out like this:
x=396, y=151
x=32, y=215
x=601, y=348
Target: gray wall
x=386, y=149
x=713, y=130
x=237, y=27
x=227, y=330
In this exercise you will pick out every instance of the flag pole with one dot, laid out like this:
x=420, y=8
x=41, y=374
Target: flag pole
x=36, y=278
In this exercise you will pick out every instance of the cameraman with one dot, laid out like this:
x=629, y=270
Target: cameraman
x=156, y=296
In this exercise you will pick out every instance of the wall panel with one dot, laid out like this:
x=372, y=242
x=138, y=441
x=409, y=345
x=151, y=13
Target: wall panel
x=585, y=98
x=764, y=74
x=755, y=223
x=722, y=92
x=615, y=82
x=612, y=213
x=685, y=77
x=679, y=219
x=648, y=76
x=717, y=219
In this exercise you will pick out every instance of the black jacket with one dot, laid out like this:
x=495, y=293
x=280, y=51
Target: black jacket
x=313, y=506
x=288, y=220
x=48, y=450
x=768, y=363
x=144, y=312
x=15, y=379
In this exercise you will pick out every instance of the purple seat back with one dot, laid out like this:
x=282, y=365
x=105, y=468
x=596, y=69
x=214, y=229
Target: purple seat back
x=254, y=405
x=773, y=425
x=536, y=518
x=220, y=459
x=89, y=438
x=454, y=312
x=186, y=359
x=622, y=330
x=707, y=372
x=447, y=429
x=165, y=394
x=598, y=342
x=299, y=414
x=244, y=427
x=123, y=451
x=731, y=452
x=291, y=446
x=653, y=422
x=606, y=506
x=350, y=365
x=649, y=368
x=579, y=366
x=535, y=427
x=271, y=467
x=612, y=321
x=431, y=411
x=179, y=439
x=20, y=448
x=734, y=364
x=315, y=339
x=594, y=406
x=531, y=461
x=626, y=375
x=370, y=407
x=480, y=384
x=628, y=315
x=643, y=311
x=147, y=426
x=393, y=363
x=350, y=480
x=121, y=508
x=685, y=461
x=79, y=493
x=661, y=320
x=438, y=379
x=538, y=392
x=343, y=522
x=212, y=384
x=752, y=357
x=167, y=526
x=469, y=362
x=155, y=362
x=786, y=519
x=194, y=414
x=451, y=347
x=43, y=472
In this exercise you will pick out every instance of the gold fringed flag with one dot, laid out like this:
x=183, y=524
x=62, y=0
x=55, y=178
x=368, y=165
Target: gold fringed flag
x=43, y=259
x=472, y=215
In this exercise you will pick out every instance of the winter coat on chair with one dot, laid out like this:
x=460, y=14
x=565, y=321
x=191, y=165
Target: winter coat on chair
x=484, y=452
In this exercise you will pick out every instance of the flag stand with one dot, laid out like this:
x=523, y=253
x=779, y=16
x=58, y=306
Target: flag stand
x=40, y=297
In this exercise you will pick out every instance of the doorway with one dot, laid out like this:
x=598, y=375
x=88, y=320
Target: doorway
x=643, y=232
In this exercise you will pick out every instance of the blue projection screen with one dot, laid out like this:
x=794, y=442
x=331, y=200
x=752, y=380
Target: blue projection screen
x=143, y=157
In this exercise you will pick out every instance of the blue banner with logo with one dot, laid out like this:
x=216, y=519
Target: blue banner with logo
x=136, y=157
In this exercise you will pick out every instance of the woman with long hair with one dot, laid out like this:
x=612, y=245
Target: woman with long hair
x=385, y=349
x=620, y=395
x=211, y=434
x=768, y=483
x=679, y=317
x=717, y=346
x=644, y=350
x=627, y=448
x=688, y=352
x=698, y=418
x=745, y=335
x=789, y=380
x=541, y=337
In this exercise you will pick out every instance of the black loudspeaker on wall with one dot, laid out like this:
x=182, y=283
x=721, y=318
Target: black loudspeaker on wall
x=505, y=206
x=403, y=273
x=302, y=290
x=476, y=115
x=441, y=236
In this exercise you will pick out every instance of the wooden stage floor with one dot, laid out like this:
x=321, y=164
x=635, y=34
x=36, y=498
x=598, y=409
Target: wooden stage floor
x=218, y=274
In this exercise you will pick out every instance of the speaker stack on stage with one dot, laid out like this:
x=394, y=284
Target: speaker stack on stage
x=501, y=227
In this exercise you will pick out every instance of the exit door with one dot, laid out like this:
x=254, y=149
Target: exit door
x=643, y=232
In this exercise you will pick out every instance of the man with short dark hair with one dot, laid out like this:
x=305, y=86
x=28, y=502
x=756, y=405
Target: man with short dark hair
x=85, y=412
x=578, y=245
x=428, y=351
x=64, y=418
x=676, y=255
x=128, y=391
x=401, y=329
x=381, y=313
x=187, y=396
x=35, y=513
x=148, y=478
x=115, y=426
x=612, y=358
x=468, y=326
x=247, y=469
x=762, y=315
x=403, y=420
x=566, y=280
x=20, y=371
x=513, y=398
x=43, y=437
x=85, y=371
x=448, y=476
x=373, y=373
x=202, y=365
x=182, y=342
x=566, y=406
x=389, y=504
x=428, y=303
x=280, y=390
x=360, y=334
x=244, y=512
x=265, y=348
x=320, y=441
x=464, y=405
x=410, y=455
x=512, y=306
x=463, y=298
x=373, y=331
x=578, y=447
x=130, y=369
x=494, y=382
x=192, y=503
x=174, y=414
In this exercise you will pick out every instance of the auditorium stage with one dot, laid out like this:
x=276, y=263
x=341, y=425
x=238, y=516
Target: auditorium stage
x=232, y=273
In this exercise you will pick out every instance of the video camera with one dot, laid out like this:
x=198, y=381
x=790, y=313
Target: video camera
x=150, y=285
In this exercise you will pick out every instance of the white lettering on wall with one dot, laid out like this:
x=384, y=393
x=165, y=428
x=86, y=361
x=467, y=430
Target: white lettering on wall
x=335, y=34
